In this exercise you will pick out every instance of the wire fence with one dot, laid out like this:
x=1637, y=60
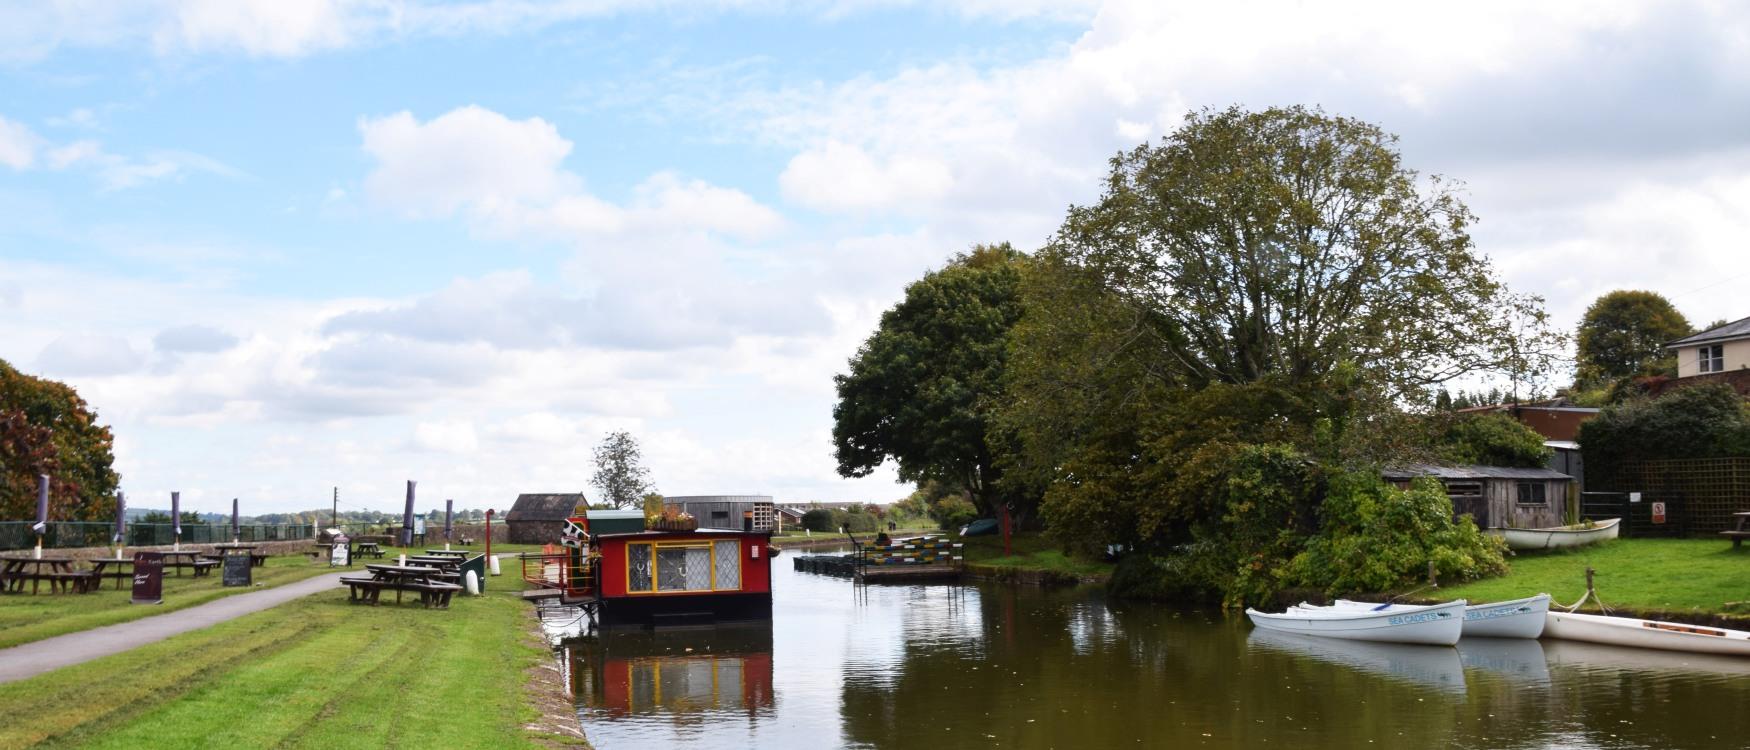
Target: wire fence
x=67, y=534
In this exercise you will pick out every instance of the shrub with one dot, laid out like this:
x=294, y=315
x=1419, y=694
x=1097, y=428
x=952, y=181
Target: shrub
x=1374, y=537
x=1699, y=421
x=819, y=519
x=1495, y=440
x=953, y=512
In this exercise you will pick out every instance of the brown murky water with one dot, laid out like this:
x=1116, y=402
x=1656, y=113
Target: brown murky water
x=997, y=666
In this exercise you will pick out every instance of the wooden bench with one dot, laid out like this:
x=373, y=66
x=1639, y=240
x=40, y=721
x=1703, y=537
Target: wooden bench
x=1737, y=537
x=435, y=594
x=258, y=559
x=78, y=581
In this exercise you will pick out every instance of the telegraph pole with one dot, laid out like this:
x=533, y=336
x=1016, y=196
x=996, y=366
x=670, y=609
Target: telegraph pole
x=334, y=515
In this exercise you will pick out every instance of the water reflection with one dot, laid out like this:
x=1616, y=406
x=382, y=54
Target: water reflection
x=1001, y=666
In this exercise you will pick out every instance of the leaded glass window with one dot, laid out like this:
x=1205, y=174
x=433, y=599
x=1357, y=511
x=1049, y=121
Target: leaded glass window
x=638, y=567
x=728, y=553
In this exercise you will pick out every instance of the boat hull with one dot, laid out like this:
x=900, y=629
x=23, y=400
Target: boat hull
x=1653, y=634
x=1519, y=618
x=1439, y=625
x=1560, y=536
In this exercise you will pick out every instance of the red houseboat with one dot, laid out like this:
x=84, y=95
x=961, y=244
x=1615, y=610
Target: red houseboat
x=630, y=575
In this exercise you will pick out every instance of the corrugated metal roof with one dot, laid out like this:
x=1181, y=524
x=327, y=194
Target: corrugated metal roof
x=605, y=515
x=1471, y=472
x=1737, y=329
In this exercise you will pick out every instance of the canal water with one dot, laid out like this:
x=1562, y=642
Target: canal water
x=1004, y=666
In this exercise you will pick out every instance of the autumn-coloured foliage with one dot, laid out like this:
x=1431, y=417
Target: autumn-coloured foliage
x=46, y=428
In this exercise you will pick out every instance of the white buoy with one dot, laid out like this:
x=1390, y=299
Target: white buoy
x=471, y=582
x=493, y=561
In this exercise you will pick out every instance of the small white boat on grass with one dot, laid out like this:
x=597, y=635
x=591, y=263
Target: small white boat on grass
x=1556, y=537
x=1437, y=624
x=1519, y=618
x=1629, y=631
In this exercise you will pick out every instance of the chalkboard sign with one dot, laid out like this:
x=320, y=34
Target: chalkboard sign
x=148, y=578
x=238, y=569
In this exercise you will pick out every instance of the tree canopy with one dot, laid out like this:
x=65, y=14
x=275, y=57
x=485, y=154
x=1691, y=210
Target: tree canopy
x=46, y=428
x=1494, y=440
x=619, y=470
x=1288, y=242
x=1623, y=335
x=922, y=388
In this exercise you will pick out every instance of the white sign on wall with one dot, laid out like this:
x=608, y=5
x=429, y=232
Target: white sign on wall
x=1634, y=497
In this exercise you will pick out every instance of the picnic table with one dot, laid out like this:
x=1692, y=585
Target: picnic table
x=110, y=567
x=1738, y=533
x=433, y=561
x=369, y=549
x=257, y=559
x=457, y=553
x=433, y=585
x=58, y=571
x=188, y=558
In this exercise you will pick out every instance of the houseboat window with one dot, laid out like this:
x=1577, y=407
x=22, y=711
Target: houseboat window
x=728, y=554
x=1531, y=493
x=1713, y=358
x=692, y=566
x=637, y=567
x=683, y=568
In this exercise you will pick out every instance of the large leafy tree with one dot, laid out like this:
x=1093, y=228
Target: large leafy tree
x=1273, y=278
x=922, y=389
x=1623, y=335
x=1288, y=242
x=46, y=428
x=619, y=470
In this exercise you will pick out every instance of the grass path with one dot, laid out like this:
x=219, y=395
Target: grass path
x=1657, y=575
x=315, y=672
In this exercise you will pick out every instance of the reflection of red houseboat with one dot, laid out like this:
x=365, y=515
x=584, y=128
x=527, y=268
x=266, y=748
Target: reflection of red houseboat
x=629, y=678
x=630, y=575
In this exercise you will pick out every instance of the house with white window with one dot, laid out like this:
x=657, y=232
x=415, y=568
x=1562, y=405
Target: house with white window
x=1718, y=354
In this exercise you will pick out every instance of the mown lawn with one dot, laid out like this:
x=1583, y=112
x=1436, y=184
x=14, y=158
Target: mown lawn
x=1031, y=551
x=25, y=618
x=1672, y=575
x=317, y=672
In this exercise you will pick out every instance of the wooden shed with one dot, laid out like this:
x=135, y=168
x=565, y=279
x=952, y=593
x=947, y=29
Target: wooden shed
x=1498, y=496
x=539, y=518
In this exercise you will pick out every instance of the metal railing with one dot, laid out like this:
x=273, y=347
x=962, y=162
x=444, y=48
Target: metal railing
x=67, y=534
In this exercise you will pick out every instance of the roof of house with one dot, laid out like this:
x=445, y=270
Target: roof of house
x=547, y=506
x=1737, y=329
x=1411, y=471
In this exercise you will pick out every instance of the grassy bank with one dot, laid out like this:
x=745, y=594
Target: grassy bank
x=25, y=618
x=316, y=672
x=1030, y=553
x=1650, y=575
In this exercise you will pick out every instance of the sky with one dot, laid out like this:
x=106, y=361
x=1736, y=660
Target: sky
x=283, y=246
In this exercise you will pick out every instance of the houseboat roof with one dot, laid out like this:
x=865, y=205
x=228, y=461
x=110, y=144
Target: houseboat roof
x=1472, y=471
x=659, y=533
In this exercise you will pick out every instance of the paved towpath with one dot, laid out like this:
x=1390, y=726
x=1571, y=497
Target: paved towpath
x=37, y=657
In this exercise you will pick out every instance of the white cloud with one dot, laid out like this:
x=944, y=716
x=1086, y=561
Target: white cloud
x=840, y=177
x=267, y=28
x=117, y=172
x=89, y=355
x=468, y=158
x=449, y=436
x=18, y=145
x=196, y=339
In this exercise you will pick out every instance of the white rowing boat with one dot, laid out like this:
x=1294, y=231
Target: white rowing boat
x=1555, y=537
x=1437, y=624
x=1519, y=618
x=1628, y=631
